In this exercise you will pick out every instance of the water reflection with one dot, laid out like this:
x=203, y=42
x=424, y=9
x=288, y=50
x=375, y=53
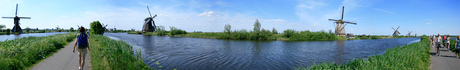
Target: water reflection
x=340, y=51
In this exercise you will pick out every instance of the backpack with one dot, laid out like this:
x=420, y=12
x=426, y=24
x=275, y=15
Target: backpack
x=82, y=40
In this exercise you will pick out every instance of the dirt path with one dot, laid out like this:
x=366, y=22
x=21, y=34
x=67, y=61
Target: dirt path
x=64, y=59
x=445, y=61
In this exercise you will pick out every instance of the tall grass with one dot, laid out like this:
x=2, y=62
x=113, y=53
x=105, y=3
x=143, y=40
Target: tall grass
x=21, y=53
x=414, y=56
x=109, y=54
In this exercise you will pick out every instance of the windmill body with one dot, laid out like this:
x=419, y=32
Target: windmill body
x=340, y=25
x=149, y=24
x=16, y=27
x=396, y=33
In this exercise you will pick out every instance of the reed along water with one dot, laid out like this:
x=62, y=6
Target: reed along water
x=164, y=52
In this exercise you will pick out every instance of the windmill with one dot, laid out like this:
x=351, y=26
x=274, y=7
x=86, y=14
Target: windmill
x=340, y=25
x=104, y=27
x=396, y=33
x=148, y=23
x=16, y=27
x=408, y=34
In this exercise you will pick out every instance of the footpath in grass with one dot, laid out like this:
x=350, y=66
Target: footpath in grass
x=22, y=53
x=64, y=59
x=415, y=56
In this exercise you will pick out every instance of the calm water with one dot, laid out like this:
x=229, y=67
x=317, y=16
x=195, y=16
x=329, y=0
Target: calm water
x=216, y=54
x=13, y=36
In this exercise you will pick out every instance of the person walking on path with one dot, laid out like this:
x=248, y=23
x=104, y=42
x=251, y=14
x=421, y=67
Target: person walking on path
x=83, y=45
x=438, y=44
x=431, y=41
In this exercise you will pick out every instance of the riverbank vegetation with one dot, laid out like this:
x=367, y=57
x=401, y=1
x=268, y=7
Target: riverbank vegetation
x=415, y=56
x=109, y=54
x=258, y=33
x=22, y=53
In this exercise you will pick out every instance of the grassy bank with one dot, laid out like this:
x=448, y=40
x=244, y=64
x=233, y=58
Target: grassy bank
x=109, y=54
x=414, y=56
x=21, y=53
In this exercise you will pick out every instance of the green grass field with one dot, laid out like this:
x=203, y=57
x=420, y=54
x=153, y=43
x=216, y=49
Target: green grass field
x=109, y=54
x=22, y=53
x=414, y=56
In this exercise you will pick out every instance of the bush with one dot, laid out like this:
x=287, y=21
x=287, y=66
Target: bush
x=8, y=31
x=96, y=28
x=240, y=34
x=288, y=33
x=161, y=31
x=176, y=31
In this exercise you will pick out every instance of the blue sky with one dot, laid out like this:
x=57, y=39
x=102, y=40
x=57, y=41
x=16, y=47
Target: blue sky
x=373, y=16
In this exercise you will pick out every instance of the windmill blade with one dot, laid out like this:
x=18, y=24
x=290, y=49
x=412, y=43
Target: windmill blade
x=154, y=16
x=24, y=17
x=8, y=17
x=343, y=8
x=149, y=11
x=349, y=22
x=16, y=14
x=333, y=20
x=393, y=28
x=397, y=28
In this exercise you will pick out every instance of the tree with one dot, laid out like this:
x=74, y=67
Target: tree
x=274, y=31
x=1, y=27
x=227, y=28
x=257, y=26
x=27, y=29
x=96, y=28
x=71, y=29
x=288, y=33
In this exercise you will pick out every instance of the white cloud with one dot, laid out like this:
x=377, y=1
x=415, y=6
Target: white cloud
x=428, y=23
x=209, y=14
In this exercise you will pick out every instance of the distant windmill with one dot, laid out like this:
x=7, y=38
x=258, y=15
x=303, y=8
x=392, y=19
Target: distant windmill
x=340, y=27
x=396, y=33
x=104, y=27
x=16, y=27
x=148, y=23
x=408, y=34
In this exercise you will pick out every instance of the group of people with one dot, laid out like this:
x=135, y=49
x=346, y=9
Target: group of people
x=444, y=41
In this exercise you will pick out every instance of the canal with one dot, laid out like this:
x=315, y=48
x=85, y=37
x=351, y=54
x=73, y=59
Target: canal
x=218, y=54
x=13, y=36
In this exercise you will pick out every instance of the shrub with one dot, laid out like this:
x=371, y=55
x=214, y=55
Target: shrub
x=161, y=31
x=96, y=28
x=227, y=29
x=176, y=31
x=288, y=33
x=8, y=31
